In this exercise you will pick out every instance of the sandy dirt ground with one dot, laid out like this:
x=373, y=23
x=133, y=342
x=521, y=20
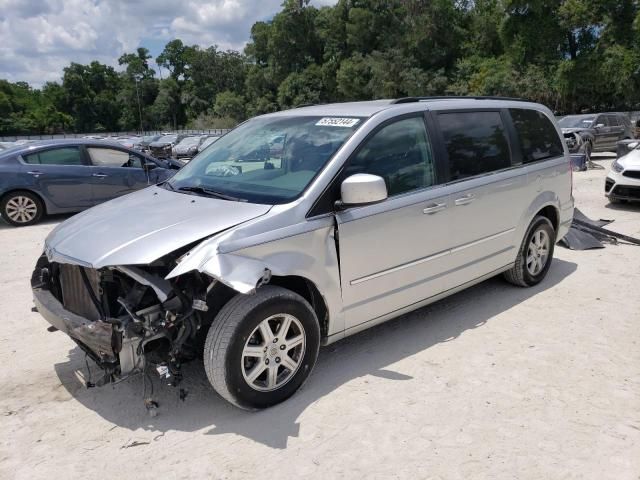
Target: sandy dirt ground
x=494, y=382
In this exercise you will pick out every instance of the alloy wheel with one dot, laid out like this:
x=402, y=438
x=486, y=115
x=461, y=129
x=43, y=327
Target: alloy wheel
x=21, y=209
x=538, y=252
x=273, y=353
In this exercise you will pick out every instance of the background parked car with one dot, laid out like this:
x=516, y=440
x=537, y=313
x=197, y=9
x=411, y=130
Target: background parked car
x=129, y=142
x=623, y=180
x=163, y=147
x=60, y=176
x=188, y=147
x=143, y=144
x=207, y=141
x=595, y=132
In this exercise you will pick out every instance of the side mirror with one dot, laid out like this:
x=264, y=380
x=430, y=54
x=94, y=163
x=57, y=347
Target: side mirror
x=600, y=125
x=149, y=166
x=361, y=189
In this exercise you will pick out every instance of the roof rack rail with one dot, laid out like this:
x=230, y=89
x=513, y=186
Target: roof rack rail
x=453, y=97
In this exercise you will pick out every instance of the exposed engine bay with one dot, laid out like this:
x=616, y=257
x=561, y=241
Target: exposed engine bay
x=130, y=319
x=575, y=142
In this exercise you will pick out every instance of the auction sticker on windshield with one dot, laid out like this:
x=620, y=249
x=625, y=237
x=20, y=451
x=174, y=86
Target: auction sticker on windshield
x=337, y=122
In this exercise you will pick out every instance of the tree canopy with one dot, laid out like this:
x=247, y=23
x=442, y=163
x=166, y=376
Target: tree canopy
x=572, y=55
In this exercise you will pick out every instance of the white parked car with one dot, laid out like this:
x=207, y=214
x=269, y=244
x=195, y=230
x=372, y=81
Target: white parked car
x=623, y=180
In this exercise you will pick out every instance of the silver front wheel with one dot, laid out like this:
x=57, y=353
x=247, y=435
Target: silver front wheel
x=538, y=252
x=273, y=352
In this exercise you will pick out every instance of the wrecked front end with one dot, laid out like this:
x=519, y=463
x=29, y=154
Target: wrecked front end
x=127, y=319
x=575, y=142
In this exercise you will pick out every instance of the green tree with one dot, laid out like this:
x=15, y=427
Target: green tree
x=230, y=105
x=176, y=57
x=137, y=64
x=573, y=55
x=166, y=107
x=302, y=88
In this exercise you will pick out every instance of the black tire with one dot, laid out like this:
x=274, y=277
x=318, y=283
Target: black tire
x=230, y=331
x=519, y=274
x=7, y=208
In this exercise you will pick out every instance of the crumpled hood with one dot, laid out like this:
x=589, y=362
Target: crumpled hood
x=143, y=226
x=631, y=160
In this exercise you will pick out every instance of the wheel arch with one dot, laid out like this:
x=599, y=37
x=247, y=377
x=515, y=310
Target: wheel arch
x=547, y=204
x=552, y=213
x=221, y=294
x=310, y=292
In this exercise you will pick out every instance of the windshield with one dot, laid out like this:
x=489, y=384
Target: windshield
x=246, y=164
x=189, y=141
x=573, y=121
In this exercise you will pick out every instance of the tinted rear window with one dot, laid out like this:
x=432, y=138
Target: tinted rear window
x=56, y=156
x=476, y=143
x=538, y=137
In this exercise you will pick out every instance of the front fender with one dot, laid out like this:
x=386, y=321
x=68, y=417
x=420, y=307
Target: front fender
x=307, y=251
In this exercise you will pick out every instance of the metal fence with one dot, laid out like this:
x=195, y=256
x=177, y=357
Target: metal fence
x=212, y=131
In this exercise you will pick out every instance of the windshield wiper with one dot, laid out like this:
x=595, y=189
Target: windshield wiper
x=210, y=193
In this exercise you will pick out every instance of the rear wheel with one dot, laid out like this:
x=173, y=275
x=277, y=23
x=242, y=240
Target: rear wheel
x=262, y=347
x=21, y=208
x=535, y=254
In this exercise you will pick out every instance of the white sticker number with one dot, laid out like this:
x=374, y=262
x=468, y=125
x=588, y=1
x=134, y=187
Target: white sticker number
x=337, y=122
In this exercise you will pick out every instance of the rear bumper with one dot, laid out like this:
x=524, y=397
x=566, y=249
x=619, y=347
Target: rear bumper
x=96, y=338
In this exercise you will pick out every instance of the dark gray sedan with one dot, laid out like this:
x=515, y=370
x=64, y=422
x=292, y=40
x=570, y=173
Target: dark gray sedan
x=63, y=176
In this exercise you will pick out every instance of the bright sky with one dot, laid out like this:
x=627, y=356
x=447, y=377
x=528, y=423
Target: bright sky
x=38, y=38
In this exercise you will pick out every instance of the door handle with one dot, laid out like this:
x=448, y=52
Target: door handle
x=434, y=208
x=36, y=173
x=465, y=200
x=99, y=175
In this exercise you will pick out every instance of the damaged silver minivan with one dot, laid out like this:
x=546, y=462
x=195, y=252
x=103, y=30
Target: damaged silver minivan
x=253, y=256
